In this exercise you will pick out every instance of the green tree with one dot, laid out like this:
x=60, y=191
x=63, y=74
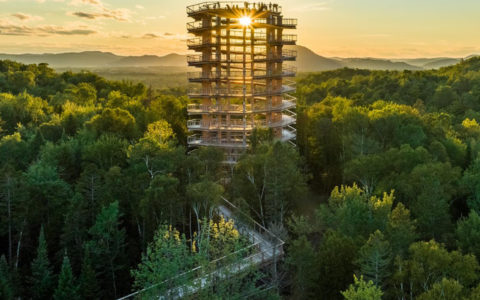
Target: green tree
x=162, y=204
x=401, y=230
x=468, y=234
x=6, y=286
x=114, y=120
x=89, y=185
x=362, y=290
x=428, y=263
x=66, y=289
x=434, y=187
x=42, y=276
x=12, y=200
x=447, y=289
x=22, y=80
x=156, y=152
x=205, y=163
x=301, y=259
x=106, y=152
x=85, y=94
x=470, y=183
x=87, y=281
x=48, y=195
x=475, y=293
x=173, y=110
x=352, y=212
x=271, y=180
x=107, y=247
x=374, y=258
x=335, y=267
x=204, y=196
x=13, y=151
x=444, y=96
x=167, y=256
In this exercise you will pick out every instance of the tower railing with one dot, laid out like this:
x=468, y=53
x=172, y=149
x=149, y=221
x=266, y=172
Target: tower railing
x=199, y=25
x=238, y=124
x=238, y=92
x=212, y=5
x=236, y=58
x=238, y=109
x=288, y=133
x=286, y=72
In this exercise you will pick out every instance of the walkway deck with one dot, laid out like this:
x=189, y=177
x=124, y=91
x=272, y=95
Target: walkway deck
x=268, y=248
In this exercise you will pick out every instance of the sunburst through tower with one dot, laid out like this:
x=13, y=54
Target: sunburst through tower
x=243, y=78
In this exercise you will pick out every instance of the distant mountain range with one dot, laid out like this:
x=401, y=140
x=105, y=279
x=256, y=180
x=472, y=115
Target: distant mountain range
x=307, y=61
x=97, y=59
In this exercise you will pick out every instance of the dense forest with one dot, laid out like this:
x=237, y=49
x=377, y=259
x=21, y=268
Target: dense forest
x=99, y=195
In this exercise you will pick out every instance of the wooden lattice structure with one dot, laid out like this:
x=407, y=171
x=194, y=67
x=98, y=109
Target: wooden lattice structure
x=243, y=74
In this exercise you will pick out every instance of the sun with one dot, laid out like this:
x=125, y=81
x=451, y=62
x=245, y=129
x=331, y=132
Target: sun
x=245, y=21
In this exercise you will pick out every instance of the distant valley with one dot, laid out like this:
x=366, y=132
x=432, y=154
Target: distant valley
x=170, y=71
x=307, y=61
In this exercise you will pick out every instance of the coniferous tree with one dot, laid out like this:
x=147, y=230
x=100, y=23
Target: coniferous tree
x=107, y=247
x=300, y=257
x=335, y=265
x=66, y=289
x=42, y=275
x=88, y=285
x=6, y=288
x=375, y=258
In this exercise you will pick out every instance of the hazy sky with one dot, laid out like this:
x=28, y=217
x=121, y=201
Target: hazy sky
x=345, y=28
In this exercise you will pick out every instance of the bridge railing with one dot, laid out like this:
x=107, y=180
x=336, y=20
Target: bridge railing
x=243, y=220
x=264, y=247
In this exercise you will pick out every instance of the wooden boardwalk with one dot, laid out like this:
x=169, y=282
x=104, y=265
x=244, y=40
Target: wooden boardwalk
x=267, y=249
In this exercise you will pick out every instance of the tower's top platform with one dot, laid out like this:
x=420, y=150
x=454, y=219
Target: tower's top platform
x=233, y=8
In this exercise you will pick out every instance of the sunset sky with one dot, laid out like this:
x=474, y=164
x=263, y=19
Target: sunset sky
x=343, y=28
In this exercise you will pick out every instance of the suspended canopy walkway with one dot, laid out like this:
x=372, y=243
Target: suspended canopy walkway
x=265, y=248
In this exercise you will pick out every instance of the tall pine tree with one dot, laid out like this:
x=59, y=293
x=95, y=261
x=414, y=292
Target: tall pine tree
x=375, y=258
x=66, y=289
x=88, y=284
x=107, y=247
x=42, y=276
x=6, y=289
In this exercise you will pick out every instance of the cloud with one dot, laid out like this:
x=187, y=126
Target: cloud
x=150, y=36
x=99, y=11
x=44, y=30
x=26, y=17
x=118, y=14
x=166, y=36
x=139, y=6
x=87, y=2
x=85, y=15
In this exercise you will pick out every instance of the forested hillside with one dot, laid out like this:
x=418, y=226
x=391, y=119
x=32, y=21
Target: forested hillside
x=399, y=153
x=99, y=196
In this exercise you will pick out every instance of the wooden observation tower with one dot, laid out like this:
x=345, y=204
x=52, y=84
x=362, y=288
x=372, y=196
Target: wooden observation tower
x=243, y=74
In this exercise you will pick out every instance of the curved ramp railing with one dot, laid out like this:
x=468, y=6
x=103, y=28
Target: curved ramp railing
x=265, y=248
